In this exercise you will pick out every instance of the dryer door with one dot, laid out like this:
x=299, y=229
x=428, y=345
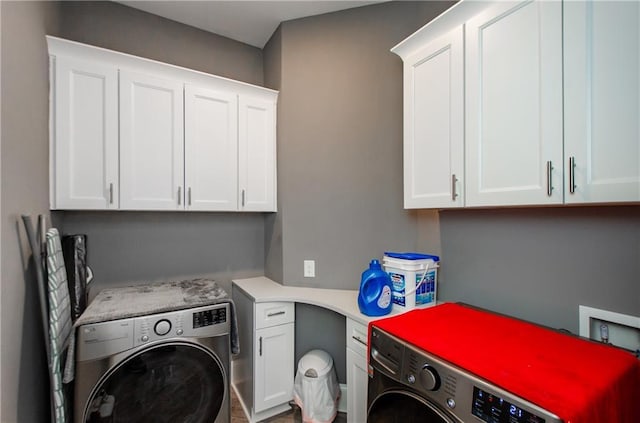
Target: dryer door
x=175, y=382
x=399, y=406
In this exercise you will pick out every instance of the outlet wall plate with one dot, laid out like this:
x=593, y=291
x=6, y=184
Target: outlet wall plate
x=623, y=330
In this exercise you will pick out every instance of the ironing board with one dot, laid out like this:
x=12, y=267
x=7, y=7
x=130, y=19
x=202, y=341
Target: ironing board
x=55, y=313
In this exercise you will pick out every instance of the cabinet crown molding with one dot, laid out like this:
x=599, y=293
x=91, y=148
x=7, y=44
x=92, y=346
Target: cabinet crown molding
x=62, y=47
x=453, y=16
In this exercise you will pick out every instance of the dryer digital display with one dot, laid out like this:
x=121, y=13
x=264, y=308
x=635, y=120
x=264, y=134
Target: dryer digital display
x=209, y=317
x=491, y=408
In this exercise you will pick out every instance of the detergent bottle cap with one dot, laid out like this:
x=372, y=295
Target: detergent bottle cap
x=375, y=265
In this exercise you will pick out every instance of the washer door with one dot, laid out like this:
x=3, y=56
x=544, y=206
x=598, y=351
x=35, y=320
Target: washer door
x=404, y=407
x=175, y=382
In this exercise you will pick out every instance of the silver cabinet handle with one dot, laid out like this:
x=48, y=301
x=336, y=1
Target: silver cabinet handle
x=572, y=175
x=260, y=349
x=357, y=339
x=454, y=194
x=111, y=193
x=189, y=195
x=179, y=196
x=277, y=313
x=549, y=180
x=242, y=198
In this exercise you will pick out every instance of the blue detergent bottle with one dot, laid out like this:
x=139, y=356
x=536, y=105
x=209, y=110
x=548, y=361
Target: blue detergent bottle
x=374, y=298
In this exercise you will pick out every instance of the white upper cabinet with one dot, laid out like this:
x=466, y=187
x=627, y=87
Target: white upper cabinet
x=602, y=101
x=151, y=143
x=257, y=154
x=513, y=145
x=434, y=123
x=129, y=133
x=551, y=99
x=84, y=156
x=211, y=149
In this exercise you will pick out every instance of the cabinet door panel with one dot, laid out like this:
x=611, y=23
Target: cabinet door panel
x=433, y=144
x=514, y=105
x=602, y=101
x=86, y=135
x=257, y=155
x=211, y=149
x=151, y=143
x=274, y=362
x=357, y=380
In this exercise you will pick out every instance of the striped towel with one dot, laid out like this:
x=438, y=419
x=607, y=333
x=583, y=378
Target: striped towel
x=61, y=333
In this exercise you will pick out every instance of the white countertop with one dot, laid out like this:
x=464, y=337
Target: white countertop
x=343, y=301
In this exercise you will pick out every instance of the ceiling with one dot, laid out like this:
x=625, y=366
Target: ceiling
x=250, y=22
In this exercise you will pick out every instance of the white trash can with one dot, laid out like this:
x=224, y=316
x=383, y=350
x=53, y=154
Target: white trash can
x=316, y=389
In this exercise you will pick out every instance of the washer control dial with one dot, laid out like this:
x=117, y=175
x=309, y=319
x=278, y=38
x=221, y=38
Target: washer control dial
x=429, y=378
x=162, y=327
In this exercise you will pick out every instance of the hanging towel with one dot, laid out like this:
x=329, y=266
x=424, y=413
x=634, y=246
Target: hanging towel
x=61, y=333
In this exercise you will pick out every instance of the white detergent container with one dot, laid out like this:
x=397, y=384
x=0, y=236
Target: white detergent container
x=414, y=278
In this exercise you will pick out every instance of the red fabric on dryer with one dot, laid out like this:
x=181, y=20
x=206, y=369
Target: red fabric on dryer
x=579, y=380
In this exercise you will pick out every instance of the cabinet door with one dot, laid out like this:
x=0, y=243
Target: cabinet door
x=357, y=377
x=602, y=101
x=151, y=143
x=357, y=380
x=257, y=155
x=85, y=146
x=513, y=145
x=274, y=363
x=211, y=149
x=433, y=124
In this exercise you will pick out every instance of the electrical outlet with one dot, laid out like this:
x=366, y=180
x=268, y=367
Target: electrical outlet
x=309, y=268
x=612, y=328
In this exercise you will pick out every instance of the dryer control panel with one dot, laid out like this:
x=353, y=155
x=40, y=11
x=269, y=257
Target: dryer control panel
x=97, y=340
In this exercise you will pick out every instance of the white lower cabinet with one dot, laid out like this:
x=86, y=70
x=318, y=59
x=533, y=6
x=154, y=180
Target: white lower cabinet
x=274, y=372
x=263, y=371
x=357, y=376
x=273, y=354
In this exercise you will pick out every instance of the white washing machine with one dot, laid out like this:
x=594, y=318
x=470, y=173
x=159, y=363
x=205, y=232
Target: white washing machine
x=164, y=367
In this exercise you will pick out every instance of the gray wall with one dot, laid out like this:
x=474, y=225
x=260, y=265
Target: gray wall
x=126, y=248
x=540, y=264
x=121, y=28
x=340, y=142
x=340, y=156
x=24, y=190
x=273, y=222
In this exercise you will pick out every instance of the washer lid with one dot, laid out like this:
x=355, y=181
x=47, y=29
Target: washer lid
x=315, y=363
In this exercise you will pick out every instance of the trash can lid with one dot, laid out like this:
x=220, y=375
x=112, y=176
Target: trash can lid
x=315, y=363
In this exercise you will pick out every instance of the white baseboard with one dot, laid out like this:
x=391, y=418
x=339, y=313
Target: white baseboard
x=342, y=403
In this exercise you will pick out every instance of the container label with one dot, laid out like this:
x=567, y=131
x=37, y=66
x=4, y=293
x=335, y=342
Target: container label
x=426, y=293
x=397, y=280
x=384, y=300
